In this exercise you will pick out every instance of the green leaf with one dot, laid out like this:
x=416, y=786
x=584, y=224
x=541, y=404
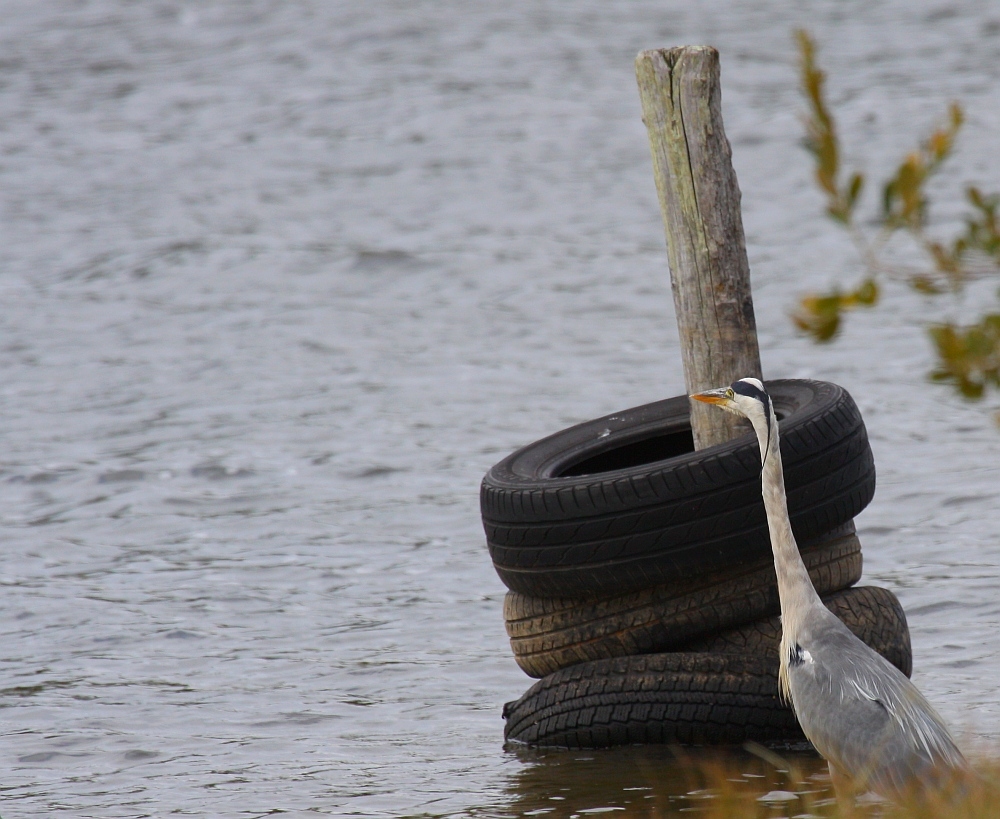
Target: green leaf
x=821, y=316
x=854, y=189
x=926, y=285
x=867, y=293
x=968, y=357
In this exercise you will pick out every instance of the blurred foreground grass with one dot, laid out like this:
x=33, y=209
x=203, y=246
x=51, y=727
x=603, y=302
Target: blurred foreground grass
x=659, y=782
x=725, y=792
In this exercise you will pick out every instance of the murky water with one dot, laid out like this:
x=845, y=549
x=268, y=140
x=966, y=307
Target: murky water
x=282, y=280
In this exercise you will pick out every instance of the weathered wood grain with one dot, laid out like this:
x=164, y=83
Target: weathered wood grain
x=700, y=202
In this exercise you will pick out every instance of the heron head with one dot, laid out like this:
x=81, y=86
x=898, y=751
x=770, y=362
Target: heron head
x=745, y=397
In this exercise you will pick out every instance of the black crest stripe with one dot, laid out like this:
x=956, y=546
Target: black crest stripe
x=753, y=391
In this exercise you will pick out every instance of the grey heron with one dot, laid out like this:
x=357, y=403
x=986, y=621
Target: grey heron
x=870, y=723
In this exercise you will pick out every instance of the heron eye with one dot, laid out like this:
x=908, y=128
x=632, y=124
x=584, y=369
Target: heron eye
x=730, y=393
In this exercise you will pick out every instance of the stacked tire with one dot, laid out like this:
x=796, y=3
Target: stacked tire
x=642, y=585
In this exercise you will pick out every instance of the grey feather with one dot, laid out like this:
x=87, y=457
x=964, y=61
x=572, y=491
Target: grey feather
x=862, y=714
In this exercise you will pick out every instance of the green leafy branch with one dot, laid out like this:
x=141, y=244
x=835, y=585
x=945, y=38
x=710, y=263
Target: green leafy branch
x=968, y=356
x=821, y=138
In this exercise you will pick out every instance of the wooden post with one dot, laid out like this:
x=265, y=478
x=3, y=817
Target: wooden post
x=700, y=202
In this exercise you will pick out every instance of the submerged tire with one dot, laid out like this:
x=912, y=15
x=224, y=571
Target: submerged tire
x=872, y=613
x=548, y=634
x=622, y=503
x=702, y=695
x=680, y=698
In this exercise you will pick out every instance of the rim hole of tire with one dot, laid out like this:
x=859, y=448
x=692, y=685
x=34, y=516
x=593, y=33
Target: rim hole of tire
x=634, y=453
x=638, y=453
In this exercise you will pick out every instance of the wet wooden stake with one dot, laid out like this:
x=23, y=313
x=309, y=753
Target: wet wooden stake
x=700, y=202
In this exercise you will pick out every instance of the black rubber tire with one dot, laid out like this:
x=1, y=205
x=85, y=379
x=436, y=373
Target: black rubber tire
x=621, y=503
x=699, y=696
x=874, y=615
x=547, y=634
x=679, y=698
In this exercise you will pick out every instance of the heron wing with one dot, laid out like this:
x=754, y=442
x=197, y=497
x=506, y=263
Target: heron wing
x=863, y=714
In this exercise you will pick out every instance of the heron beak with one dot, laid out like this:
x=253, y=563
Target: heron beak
x=712, y=397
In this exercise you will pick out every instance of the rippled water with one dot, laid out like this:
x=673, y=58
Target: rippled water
x=282, y=280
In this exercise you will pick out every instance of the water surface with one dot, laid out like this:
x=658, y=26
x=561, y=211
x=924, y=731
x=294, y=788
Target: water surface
x=282, y=280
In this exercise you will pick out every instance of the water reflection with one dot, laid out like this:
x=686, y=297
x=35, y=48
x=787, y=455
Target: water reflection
x=659, y=781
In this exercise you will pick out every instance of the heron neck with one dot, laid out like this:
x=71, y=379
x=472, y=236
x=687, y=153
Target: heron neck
x=795, y=588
